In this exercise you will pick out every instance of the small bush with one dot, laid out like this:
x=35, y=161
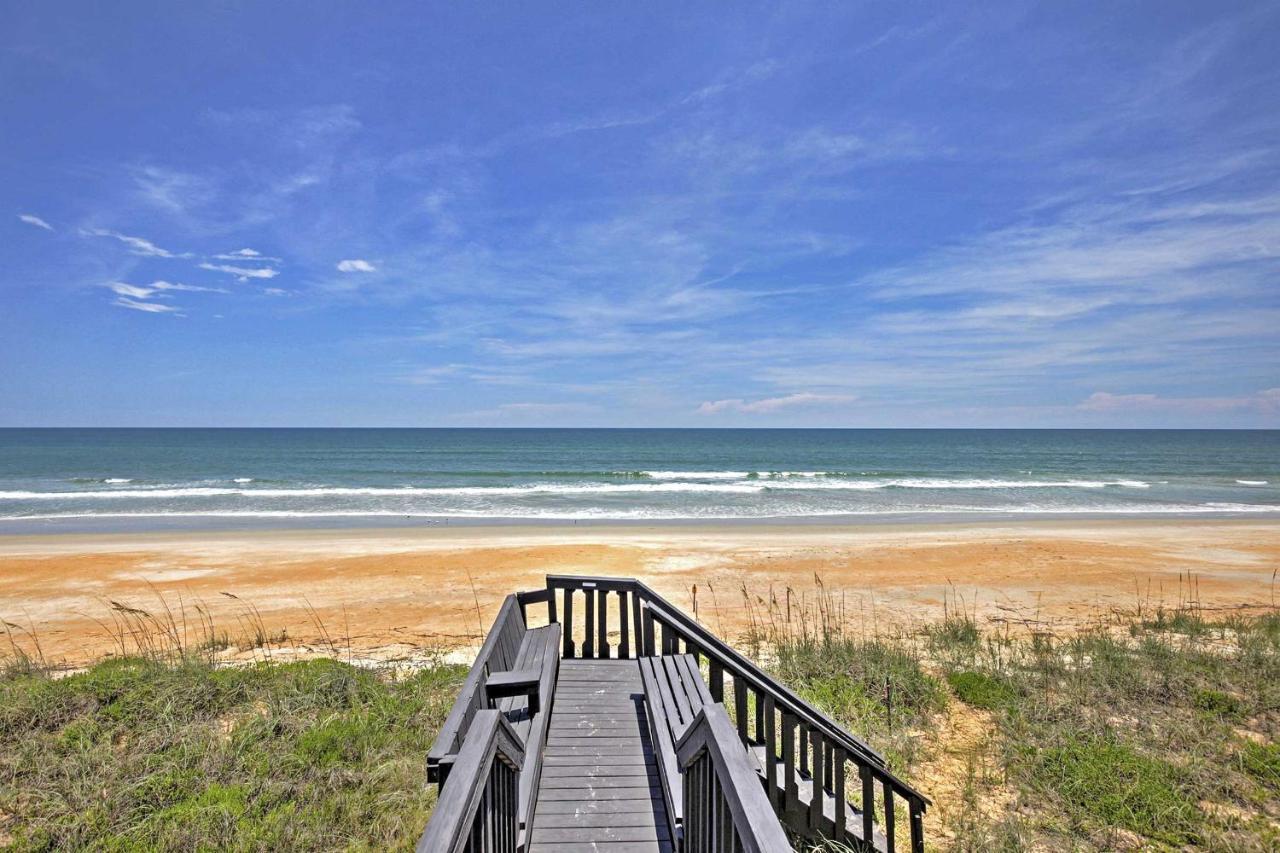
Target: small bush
x=982, y=691
x=1216, y=702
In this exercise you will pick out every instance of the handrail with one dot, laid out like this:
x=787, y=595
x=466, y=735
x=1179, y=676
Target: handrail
x=804, y=751
x=719, y=780
x=477, y=811
x=708, y=641
x=451, y=735
x=744, y=668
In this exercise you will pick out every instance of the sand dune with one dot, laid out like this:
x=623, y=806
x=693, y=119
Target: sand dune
x=395, y=591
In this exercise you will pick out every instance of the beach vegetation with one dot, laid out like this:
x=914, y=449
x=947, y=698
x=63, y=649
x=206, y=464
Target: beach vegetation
x=144, y=754
x=1152, y=729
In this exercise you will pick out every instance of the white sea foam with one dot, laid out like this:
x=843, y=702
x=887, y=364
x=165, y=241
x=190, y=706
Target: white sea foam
x=697, y=475
x=118, y=480
x=243, y=480
x=604, y=514
x=1252, y=482
x=942, y=483
x=741, y=487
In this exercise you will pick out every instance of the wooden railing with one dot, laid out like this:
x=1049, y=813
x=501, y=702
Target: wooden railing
x=822, y=781
x=497, y=654
x=724, y=806
x=479, y=811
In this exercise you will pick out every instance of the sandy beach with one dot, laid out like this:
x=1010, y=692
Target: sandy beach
x=399, y=593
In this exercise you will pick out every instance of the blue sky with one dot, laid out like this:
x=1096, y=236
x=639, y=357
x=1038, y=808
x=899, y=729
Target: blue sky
x=607, y=214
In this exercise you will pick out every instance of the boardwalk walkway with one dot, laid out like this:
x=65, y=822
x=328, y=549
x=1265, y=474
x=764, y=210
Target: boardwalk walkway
x=599, y=789
x=548, y=747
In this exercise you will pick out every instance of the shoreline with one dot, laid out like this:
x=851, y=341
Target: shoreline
x=692, y=528
x=256, y=523
x=393, y=593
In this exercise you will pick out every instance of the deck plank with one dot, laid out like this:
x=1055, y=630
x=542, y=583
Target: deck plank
x=600, y=789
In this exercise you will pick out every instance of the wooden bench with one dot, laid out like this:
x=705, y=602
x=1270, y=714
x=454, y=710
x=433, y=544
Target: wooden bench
x=674, y=694
x=515, y=674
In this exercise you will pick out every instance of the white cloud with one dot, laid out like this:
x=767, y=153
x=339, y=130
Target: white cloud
x=356, y=265
x=149, y=307
x=246, y=255
x=137, y=245
x=243, y=273
x=146, y=291
x=773, y=404
x=275, y=291
x=32, y=219
x=1102, y=401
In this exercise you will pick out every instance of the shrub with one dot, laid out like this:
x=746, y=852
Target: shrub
x=982, y=691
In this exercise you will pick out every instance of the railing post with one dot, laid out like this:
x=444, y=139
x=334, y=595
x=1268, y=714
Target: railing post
x=888, y=817
x=589, y=625
x=624, y=645
x=868, y=804
x=815, y=776
x=917, y=825
x=740, y=706
x=837, y=790
x=648, y=633
x=789, y=769
x=568, y=623
x=770, y=753
x=717, y=680
x=635, y=619
x=602, y=645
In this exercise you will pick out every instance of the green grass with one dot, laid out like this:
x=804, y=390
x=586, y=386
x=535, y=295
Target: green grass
x=136, y=754
x=1262, y=761
x=1158, y=732
x=982, y=691
x=1129, y=734
x=1110, y=784
x=875, y=688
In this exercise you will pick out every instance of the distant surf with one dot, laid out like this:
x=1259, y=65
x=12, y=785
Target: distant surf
x=628, y=475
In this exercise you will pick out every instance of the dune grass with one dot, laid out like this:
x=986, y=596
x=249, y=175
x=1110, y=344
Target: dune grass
x=1153, y=730
x=138, y=754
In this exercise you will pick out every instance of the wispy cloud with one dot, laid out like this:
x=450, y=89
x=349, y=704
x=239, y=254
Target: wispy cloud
x=242, y=273
x=356, y=265
x=137, y=245
x=32, y=219
x=146, y=291
x=246, y=255
x=147, y=307
x=768, y=405
x=1267, y=401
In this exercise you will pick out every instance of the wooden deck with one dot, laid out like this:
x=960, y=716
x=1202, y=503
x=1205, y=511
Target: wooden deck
x=600, y=788
x=562, y=740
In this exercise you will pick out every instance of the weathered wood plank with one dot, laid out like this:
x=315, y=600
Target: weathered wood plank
x=581, y=795
x=559, y=835
x=599, y=781
x=599, y=762
x=637, y=805
x=605, y=847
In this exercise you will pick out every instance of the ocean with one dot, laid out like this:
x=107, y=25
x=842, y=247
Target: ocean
x=131, y=479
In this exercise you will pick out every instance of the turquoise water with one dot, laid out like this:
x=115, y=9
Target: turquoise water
x=66, y=479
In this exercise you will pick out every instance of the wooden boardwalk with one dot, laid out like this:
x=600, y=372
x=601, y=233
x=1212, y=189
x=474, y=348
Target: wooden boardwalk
x=599, y=789
x=564, y=741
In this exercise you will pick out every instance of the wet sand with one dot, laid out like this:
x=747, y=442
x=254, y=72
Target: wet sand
x=395, y=593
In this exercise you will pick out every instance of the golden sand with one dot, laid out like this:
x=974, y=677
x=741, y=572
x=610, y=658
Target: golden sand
x=394, y=590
